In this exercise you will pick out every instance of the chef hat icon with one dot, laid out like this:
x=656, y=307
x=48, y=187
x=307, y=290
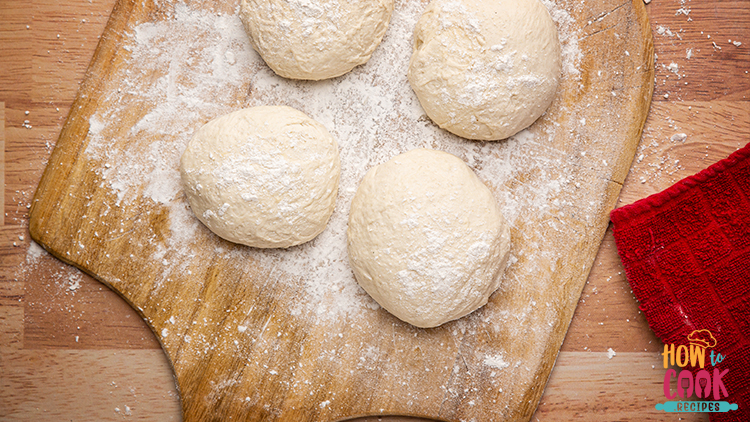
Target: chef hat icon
x=702, y=338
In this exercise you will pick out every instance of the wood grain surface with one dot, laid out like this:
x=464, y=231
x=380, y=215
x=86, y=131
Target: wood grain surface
x=72, y=349
x=250, y=340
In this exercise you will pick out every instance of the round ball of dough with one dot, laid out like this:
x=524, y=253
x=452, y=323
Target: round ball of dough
x=264, y=176
x=304, y=39
x=426, y=238
x=485, y=69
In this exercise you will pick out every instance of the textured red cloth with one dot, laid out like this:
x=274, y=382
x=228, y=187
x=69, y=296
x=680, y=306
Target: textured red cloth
x=686, y=253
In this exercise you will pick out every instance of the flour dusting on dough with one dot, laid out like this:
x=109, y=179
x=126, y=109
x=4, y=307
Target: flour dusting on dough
x=169, y=87
x=371, y=112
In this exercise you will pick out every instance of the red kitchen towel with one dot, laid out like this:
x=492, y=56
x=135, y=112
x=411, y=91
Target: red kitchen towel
x=686, y=253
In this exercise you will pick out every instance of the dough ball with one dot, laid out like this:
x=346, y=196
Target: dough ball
x=485, y=69
x=264, y=176
x=426, y=238
x=304, y=39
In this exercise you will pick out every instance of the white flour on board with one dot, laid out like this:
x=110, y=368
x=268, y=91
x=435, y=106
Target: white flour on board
x=204, y=67
x=495, y=361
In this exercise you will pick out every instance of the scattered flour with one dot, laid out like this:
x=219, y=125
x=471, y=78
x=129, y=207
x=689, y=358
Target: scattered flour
x=663, y=30
x=678, y=137
x=684, y=9
x=371, y=112
x=495, y=361
x=374, y=115
x=74, y=282
x=34, y=253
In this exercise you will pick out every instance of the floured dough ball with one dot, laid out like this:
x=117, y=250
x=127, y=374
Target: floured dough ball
x=485, y=69
x=426, y=238
x=305, y=39
x=264, y=176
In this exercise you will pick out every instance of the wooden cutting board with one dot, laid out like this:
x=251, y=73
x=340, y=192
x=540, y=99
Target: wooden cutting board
x=288, y=335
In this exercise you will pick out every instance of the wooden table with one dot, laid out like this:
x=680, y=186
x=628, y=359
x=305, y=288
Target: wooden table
x=71, y=349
